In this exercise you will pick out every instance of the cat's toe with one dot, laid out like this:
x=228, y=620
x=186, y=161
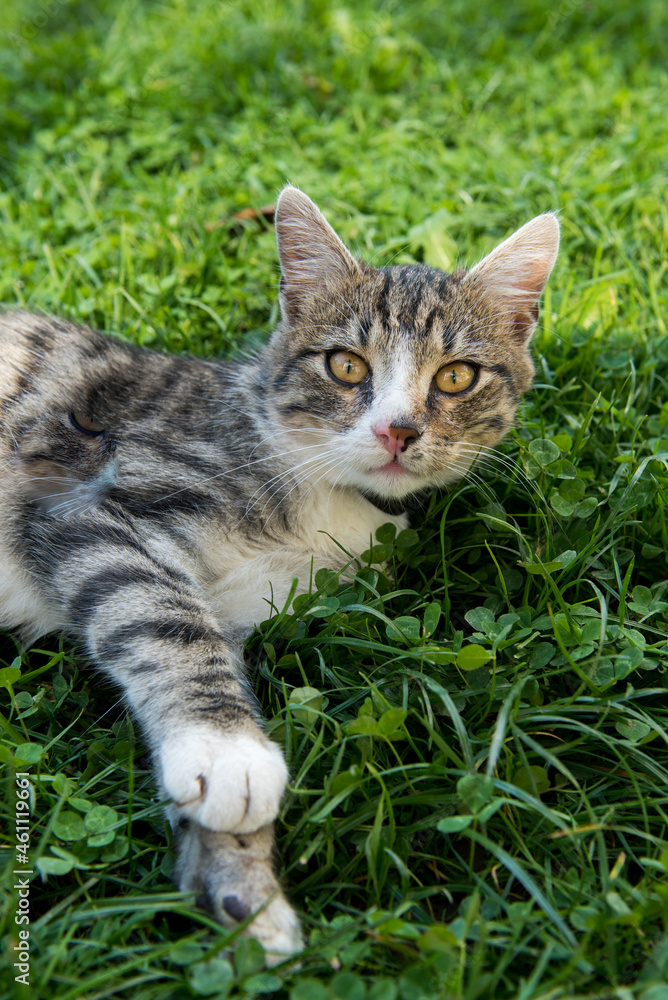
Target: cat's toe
x=227, y=783
x=275, y=925
x=279, y=931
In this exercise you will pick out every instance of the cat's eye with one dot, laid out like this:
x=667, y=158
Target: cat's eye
x=456, y=377
x=347, y=367
x=87, y=425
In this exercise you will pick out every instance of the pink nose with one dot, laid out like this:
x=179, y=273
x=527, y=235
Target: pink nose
x=395, y=438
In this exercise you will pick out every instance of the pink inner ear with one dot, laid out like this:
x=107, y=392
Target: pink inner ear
x=528, y=297
x=538, y=275
x=309, y=250
x=517, y=271
x=524, y=321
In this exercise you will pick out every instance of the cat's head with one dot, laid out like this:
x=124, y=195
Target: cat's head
x=393, y=379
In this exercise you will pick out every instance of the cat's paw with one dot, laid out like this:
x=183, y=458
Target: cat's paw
x=229, y=783
x=233, y=878
x=276, y=926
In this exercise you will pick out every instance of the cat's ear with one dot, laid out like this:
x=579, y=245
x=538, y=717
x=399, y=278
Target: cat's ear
x=514, y=275
x=310, y=252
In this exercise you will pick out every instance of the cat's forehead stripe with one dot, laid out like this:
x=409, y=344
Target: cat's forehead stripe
x=412, y=295
x=382, y=296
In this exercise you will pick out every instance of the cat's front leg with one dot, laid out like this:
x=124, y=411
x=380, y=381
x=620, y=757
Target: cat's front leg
x=145, y=621
x=224, y=776
x=152, y=631
x=233, y=877
x=227, y=782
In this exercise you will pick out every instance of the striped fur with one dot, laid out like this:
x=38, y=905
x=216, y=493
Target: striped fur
x=150, y=506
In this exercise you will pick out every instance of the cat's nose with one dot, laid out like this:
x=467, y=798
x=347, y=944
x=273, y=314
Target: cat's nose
x=394, y=436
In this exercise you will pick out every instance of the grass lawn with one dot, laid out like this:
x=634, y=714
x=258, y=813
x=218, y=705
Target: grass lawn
x=479, y=756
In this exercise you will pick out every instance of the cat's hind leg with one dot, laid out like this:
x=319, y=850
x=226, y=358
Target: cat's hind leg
x=233, y=877
x=22, y=606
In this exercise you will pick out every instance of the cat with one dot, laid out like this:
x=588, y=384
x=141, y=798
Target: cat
x=147, y=502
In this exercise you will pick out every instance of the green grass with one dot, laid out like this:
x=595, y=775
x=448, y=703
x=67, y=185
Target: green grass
x=478, y=742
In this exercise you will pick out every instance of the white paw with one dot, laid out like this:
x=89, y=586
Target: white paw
x=278, y=930
x=275, y=924
x=225, y=782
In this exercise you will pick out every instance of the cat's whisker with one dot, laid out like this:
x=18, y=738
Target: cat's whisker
x=481, y=484
x=48, y=479
x=291, y=430
x=338, y=461
x=478, y=458
x=469, y=330
x=490, y=459
x=493, y=455
x=494, y=464
x=118, y=705
x=319, y=462
x=326, y=465
x=238, y=468
x=276, y=480
x=325, y=469
x=333, y=487
x=222, y=401
x=291, y=469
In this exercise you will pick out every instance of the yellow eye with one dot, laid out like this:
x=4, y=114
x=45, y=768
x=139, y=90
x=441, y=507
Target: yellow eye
x=86, y=424
x=455, y=377
x=347, y=367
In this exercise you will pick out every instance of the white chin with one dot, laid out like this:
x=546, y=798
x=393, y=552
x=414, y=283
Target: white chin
x=393, y=486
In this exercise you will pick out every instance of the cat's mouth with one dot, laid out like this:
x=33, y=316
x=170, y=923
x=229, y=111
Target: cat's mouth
x=393, y=468
x=393, y=480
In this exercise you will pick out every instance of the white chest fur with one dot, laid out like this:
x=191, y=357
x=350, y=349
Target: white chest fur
x=248, y=580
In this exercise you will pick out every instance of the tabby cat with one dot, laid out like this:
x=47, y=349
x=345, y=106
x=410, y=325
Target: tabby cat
x=147, y=502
